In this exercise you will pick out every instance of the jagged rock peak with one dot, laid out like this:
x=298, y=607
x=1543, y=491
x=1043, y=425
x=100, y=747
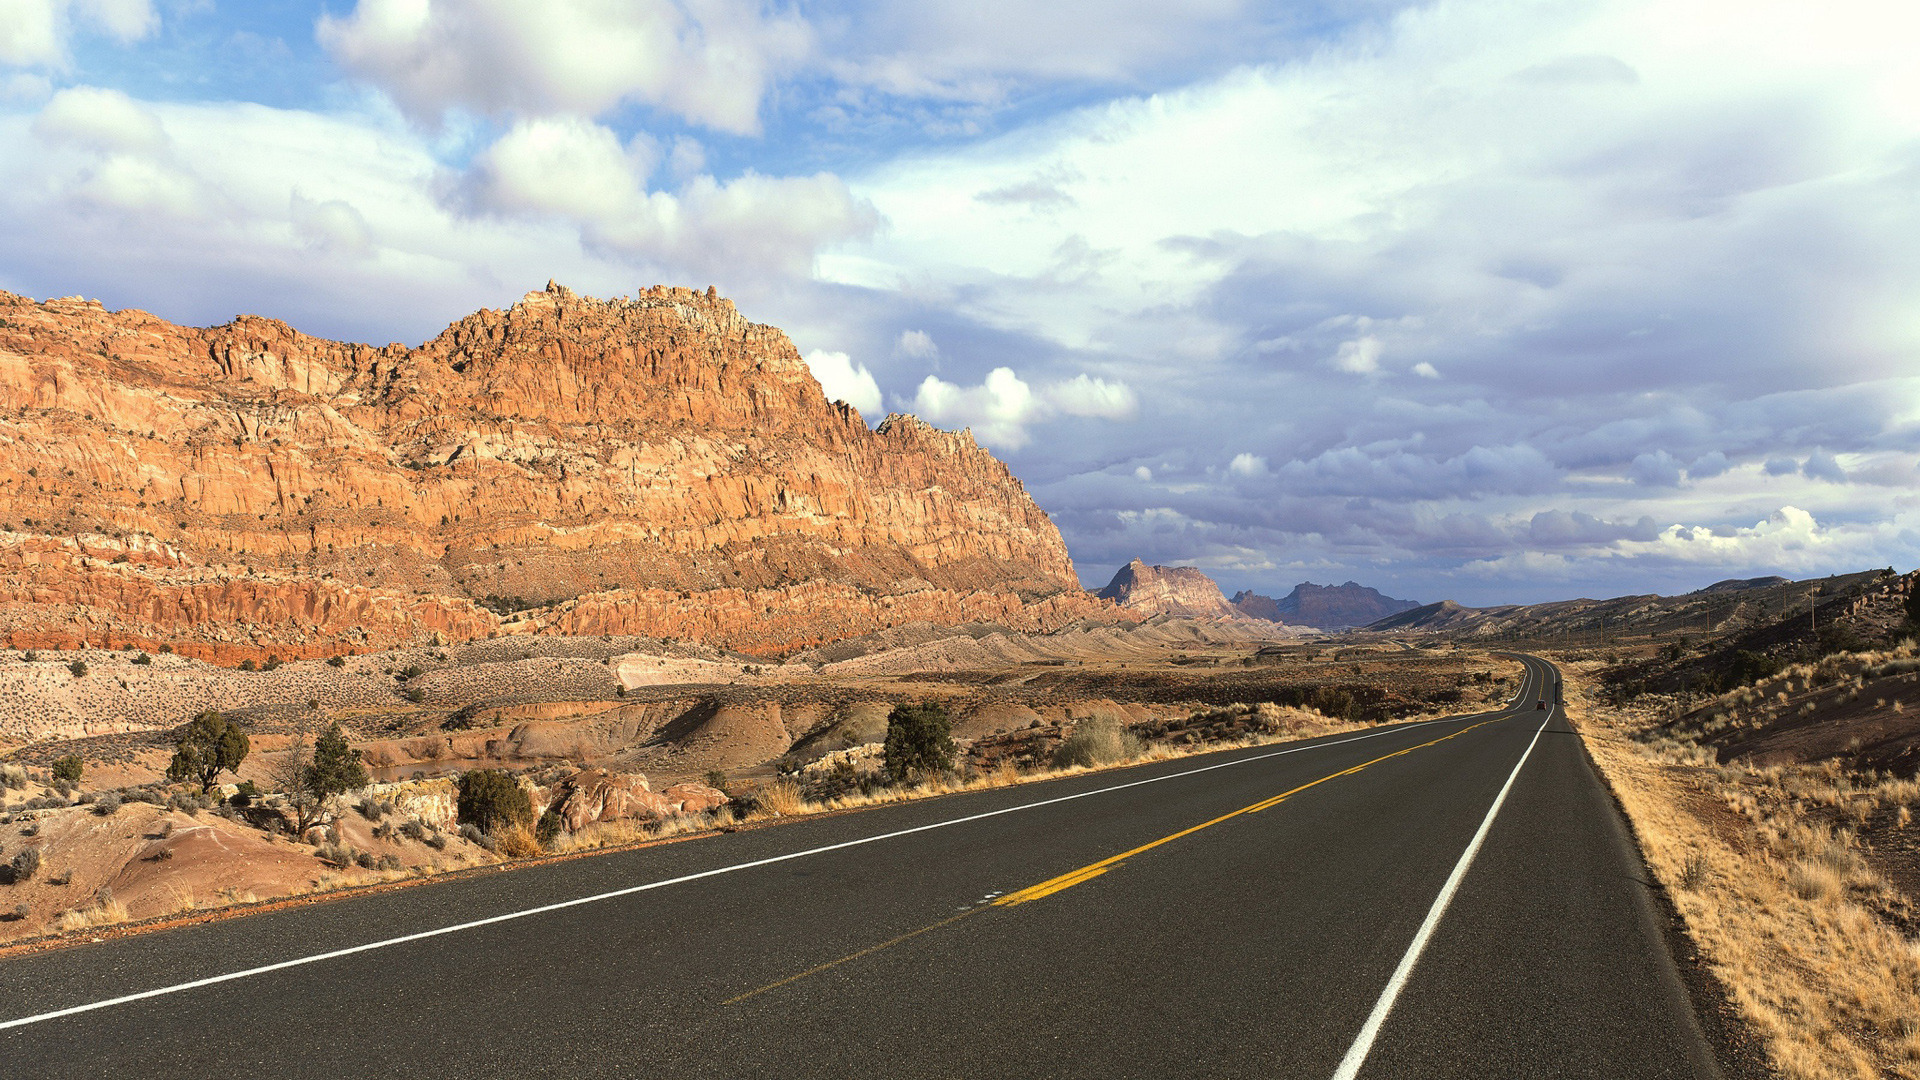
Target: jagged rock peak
x=1167, y=590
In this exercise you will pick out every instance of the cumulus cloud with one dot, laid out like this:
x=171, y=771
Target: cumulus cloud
x=844, y=380
x=1248, y=466
x=1361, y=356
x=330, y=226
x=1821, y=465
x=579, y=171
x=1656, y=469
x=97, y=119
x=916, y=345
x=1002, y=409
x=710, y=61
x=36, y=33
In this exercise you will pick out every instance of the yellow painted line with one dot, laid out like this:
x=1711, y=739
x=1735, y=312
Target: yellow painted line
x=1093, y=870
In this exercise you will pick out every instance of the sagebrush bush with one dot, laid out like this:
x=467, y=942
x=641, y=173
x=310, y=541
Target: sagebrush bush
x=68, y=768
x=490, y=800
x=919, y=740
x=1100, y=741
x=21, y=867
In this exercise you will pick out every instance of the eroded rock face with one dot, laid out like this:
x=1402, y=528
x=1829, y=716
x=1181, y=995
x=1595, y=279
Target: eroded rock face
x=592, y=795
x=1168, y=590
x=658, y=465
x=1327, y=607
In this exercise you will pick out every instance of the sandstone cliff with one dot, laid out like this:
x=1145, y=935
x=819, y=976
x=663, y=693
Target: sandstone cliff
x=1168, y=590
x=656, y=465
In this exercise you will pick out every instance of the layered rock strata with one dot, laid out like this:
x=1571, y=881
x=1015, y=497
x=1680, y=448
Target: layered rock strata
x=1168, y=590
x=653, y=465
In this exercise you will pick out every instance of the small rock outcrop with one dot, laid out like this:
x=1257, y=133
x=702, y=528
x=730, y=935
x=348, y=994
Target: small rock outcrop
x=1168, y=590
x=656, y=465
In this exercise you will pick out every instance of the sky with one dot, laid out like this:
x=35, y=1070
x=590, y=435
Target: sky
x=1492, y=301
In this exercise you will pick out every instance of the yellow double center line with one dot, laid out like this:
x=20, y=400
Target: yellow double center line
x=1093, y=870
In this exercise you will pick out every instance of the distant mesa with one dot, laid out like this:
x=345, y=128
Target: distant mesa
x=1323, y=607
x=655, y=465
x=1182, y=591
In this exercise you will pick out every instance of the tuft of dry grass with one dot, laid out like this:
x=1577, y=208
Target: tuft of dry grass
x=1782, y=907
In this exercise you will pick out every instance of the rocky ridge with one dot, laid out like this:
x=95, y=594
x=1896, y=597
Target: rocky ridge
x=1325, y=607
x=1182, y=591
x=655, y=465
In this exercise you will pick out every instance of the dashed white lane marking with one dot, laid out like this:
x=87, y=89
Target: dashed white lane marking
x=1357, y=1054
x=475, y=924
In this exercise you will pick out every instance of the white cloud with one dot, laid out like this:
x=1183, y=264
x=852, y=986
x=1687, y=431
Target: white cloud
x=1003, y=407
x=916, y=345
x=1249, y=466
x=844, y=380
x=332, y=226
x=36, y=33
x=1425, y=370
x=1143, y=474
x=97, y=119
x=1361, y=356
x=1084, y=395
x=710, y=61
x=577, y=170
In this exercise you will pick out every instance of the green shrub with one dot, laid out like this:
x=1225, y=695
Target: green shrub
x=549, y=828
x=1100, y=741
x=245, y=793
x=68, y=768
x=143, y=659
x=336, y=661
x=79, y=669
x=336, y=767
x=490, y=799
x=249, y=665
x=919, y=740
x=208, y=746
x=22, y=868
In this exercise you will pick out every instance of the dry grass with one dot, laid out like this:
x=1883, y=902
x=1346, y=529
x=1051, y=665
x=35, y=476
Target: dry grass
x=1782, y=906
x=104, y=911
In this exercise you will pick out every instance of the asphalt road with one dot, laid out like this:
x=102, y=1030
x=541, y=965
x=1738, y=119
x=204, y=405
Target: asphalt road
x=1249, y=913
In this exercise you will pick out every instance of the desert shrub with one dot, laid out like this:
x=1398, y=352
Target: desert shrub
x=1100, y=741
x=106, y=804
x=717, y=779
x=437, y=840
x=13, y=776
x=68, y=768
x=143, y=659
x=549, y=828
x=373, y=809
x=516, y=841
x=336, y=661
x=411, y=671
x=490, y=800
x=273, y=663
x=78, y=668
x=474, y=835
x=209, y=745
x=20, y=911
x=388, y=861
x=21, y=867
x=782, y=797
x=189, y=802
x=841, y=781
x=365, y=860
x=919, y=740
x=249, y=665
x=414, y=694
x=245, y=793
x=338, y=854
x=413, y=830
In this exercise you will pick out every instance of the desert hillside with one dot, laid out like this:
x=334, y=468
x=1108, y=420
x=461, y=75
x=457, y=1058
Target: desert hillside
x=656, y=465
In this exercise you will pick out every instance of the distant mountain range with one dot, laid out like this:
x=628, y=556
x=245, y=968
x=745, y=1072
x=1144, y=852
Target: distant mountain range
x=1324, y=607
x=1188, y=592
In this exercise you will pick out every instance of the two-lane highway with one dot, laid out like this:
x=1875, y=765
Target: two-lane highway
x=1456, y=898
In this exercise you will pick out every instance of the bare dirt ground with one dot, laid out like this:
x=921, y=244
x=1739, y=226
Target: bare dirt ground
x=655, y=715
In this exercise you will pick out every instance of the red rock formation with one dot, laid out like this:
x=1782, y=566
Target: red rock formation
x=1168, y=590
x=656, y=465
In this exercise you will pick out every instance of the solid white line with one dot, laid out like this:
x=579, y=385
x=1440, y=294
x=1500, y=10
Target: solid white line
x=632, y=889
x=1357, y=1053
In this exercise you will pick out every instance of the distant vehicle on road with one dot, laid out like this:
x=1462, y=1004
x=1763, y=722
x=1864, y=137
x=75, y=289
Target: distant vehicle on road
x=1539, y=704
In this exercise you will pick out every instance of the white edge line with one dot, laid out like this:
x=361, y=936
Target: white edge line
x=1357, y=1054
x=335, y=954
